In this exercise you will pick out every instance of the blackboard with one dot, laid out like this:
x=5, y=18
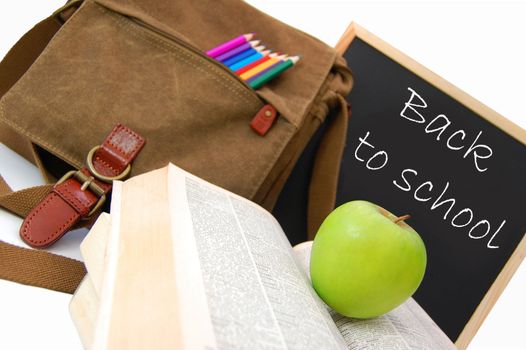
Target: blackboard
x=416, y=143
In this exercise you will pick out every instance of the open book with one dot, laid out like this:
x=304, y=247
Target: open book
x=183, y=264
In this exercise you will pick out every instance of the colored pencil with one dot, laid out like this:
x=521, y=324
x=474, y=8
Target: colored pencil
x=249, y=74
x=229, y=45
x=246, y=61
x=274, y=72
x=261, y=73
x=236, y=50
x=255, y=63
x=242, y=55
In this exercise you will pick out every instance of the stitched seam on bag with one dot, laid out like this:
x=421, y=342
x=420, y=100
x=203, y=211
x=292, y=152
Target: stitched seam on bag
x=38, y=139
x=54, y=234
x=58, y=152
x=161, y=44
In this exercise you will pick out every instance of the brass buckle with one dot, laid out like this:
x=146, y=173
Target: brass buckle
x=87, y=182
x=108, y=179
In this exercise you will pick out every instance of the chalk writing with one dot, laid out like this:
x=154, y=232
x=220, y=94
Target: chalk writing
x=426, y=191
x=413, y=111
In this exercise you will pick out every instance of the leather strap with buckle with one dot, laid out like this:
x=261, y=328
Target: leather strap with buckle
x=80, y=194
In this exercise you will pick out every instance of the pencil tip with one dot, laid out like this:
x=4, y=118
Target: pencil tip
x=294, y=59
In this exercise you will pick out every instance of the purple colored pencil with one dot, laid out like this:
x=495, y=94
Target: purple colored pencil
x=243, y=55
x=246, y=46
x=229, y=45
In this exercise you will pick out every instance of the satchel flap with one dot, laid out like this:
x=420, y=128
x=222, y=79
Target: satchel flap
x=103, y=68
x=205, y=24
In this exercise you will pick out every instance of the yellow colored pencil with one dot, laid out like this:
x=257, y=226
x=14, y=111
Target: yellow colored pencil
x=260, y=68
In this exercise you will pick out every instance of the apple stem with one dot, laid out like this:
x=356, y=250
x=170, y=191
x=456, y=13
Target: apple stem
x=402, y=218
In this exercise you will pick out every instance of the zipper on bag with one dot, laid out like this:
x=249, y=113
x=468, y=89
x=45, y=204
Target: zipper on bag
x=266, y=115
x=195, y=50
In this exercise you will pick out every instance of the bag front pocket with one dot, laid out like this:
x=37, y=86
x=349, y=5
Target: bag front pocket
x=103, y=68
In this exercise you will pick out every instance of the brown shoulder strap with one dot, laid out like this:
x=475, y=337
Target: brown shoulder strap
x=4, y=187
x=21, y=202
x=40, y=269
x=326, y=170
x=32, y=267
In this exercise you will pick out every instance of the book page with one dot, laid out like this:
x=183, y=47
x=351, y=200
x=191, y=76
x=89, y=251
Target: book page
x=240, y=285
x=406, y=327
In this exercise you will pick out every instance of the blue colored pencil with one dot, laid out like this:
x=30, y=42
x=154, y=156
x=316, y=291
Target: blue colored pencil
x=242, y=55
x=246, y=61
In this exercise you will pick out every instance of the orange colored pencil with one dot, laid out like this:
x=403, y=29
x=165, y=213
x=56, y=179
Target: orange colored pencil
x=260, y=68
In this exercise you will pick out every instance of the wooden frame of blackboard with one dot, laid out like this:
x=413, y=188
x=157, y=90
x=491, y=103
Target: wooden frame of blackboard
x=483, y=309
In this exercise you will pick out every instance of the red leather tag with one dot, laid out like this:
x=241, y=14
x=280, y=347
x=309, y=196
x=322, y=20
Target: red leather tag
x=264, y=119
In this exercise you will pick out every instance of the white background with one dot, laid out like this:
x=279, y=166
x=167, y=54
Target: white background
x=477, y=46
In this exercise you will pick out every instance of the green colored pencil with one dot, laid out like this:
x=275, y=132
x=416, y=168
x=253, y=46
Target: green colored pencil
x=273, y=72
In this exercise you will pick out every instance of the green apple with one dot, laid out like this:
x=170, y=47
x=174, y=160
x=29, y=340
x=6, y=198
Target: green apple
x=366, y=261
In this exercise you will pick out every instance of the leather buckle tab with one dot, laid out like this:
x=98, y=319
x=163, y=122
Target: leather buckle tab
x=87, y=183
x=108, y=179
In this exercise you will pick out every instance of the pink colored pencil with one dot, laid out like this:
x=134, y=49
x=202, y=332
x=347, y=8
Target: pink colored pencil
x=229, y=45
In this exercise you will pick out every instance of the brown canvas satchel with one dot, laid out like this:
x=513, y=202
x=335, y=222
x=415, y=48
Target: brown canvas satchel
x=98, y=63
